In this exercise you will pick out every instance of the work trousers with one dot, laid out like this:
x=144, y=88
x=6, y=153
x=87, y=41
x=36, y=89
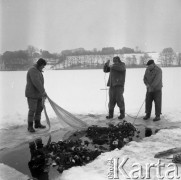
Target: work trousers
x=157, y=98
x=116, y=97
x=35, y=109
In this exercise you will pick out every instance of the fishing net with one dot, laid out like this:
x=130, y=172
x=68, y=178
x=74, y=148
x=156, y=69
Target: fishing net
x=66, y=119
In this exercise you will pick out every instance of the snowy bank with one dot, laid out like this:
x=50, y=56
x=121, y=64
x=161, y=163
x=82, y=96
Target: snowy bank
x=8, y=173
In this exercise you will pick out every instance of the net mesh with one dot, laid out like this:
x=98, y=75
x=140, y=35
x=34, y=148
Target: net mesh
x=66, y=119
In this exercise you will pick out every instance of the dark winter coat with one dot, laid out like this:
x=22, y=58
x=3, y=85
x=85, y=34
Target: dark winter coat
x=153, y=78
x=35, y=83
x=117, y=74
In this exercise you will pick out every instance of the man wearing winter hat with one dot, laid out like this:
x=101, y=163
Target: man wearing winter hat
x=116, y=86
x=35, y=93
x=153, y=82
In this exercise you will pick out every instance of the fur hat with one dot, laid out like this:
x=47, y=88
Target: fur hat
x=151, y=61
x=41, y=61
x=116, y=58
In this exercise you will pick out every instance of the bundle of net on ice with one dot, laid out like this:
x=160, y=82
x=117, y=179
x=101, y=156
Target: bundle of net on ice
x=67, y=120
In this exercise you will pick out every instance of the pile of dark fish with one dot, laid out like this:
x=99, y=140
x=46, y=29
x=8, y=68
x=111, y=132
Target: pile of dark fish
x=177, y=158
x=80, y=148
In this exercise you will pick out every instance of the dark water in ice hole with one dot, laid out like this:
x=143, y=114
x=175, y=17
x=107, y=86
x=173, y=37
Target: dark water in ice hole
x=19, y=157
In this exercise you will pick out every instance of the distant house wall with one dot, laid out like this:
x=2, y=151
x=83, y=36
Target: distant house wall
x=87, y=61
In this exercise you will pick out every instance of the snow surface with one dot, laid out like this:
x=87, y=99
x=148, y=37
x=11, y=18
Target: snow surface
x=82, y=92
x=8, y=173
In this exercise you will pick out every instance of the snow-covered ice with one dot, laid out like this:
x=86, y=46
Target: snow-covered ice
x=82, y=93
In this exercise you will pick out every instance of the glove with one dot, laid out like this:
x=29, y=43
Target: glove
x=150, y=89
x=107, y=62
x=44, y=94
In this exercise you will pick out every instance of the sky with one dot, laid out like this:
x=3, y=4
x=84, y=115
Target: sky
x=56, y=25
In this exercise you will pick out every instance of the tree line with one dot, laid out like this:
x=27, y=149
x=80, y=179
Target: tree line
x=103, y=51
x=23, y=59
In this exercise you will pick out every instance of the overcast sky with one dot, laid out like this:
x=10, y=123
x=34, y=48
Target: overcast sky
x=56, y=25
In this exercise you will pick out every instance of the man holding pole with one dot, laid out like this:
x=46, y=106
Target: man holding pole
x=153, y=82
x=116, y=86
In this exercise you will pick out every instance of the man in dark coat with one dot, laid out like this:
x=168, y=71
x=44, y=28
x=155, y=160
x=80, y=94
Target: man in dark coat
x=153, y=82
x=116, y=83
x=35, y=93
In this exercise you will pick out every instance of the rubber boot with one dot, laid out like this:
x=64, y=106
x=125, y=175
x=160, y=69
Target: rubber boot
x=157, y=118
x=122, y=114
x=39, y=125
x=147, y=116
x=30, y=127
x=110, y=116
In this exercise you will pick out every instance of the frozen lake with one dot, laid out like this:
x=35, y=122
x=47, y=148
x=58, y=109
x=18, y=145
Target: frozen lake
x=82, y=92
